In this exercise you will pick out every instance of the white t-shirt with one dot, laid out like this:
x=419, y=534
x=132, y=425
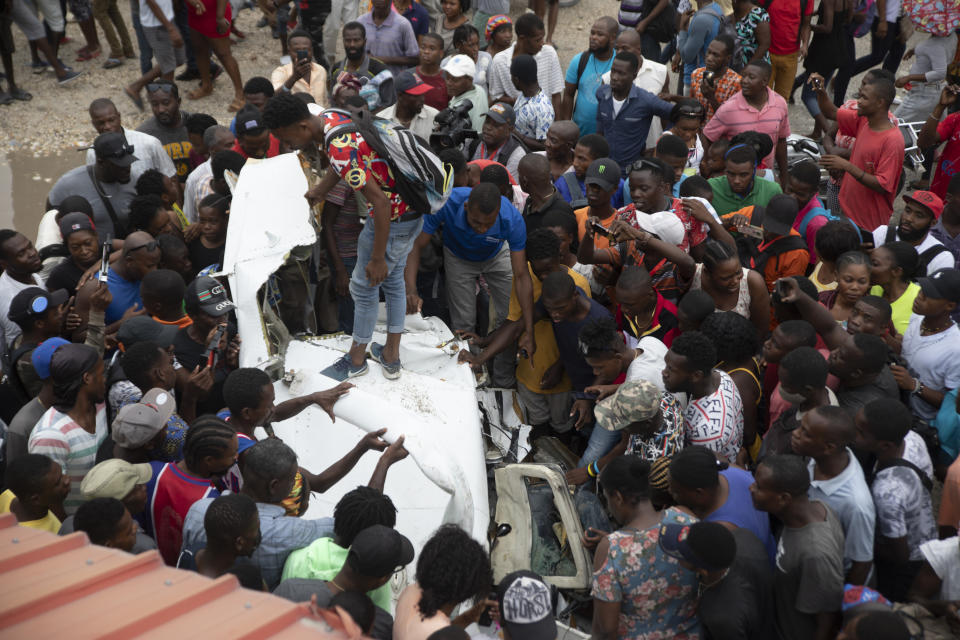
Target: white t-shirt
x=549, y=73
x=147, y=19
x=9, y=288
x=648, y=364
x=617, y=105
x=943, y=260
x=935, y=359
x=716, y=420
x=944, y=559
x=149, y=152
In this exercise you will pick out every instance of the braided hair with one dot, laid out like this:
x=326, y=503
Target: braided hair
x=361, y=508
x=208, y=436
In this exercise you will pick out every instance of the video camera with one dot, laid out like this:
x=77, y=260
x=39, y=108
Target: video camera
x=453, y=127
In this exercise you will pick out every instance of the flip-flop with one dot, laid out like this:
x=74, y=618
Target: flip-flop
x=20, y=94
x=83, y=56
x=135, y=98
x=112, y=63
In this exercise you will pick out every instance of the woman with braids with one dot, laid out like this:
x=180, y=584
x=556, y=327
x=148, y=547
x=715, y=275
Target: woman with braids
x=732, y=286
x=452, y=568
x=72, y=430
x=738, y=344
x=833, y=239
x=892, y=266
x=853, y=282
x=638, y=590
x=208, y=452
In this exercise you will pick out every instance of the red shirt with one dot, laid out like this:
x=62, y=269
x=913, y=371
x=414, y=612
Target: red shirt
x=272, y=151
x=353, y=159
x=437, y=97
x=694, y=231
x=785, y=25
x=170, y=494
x=949, y=162
x=879, y=154
x=664, y=325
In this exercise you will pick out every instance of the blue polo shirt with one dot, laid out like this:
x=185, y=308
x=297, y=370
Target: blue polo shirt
x=467, y=244
x=418, y=18
x=125, y=295
x=627, y=131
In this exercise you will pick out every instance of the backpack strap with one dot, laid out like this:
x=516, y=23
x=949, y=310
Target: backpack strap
x=576, y=193
x=582, y=65
x=12, y=374
x=900, y=462
x=927, y=256
x=813, y=213
x=119, y=231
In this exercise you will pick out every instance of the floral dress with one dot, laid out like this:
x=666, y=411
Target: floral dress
x=658, y=597
x=747, y=37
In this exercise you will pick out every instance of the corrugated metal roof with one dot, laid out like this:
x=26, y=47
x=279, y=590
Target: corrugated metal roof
x=53, y=586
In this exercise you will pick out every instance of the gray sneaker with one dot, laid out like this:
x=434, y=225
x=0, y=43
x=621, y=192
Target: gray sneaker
x=343, y=369
x=69, y=77
x=391, y=370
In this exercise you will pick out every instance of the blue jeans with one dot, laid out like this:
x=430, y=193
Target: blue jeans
x=146, y=52
x=345, y=303
x=366, y=298
x=600, y=443
x=591, y=512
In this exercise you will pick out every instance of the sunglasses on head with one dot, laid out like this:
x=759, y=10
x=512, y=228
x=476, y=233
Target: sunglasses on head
x=160, y=86
x=644, y=163
x=150, y=246
x=122, y=152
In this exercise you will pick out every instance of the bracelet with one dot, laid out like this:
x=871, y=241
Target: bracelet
x=592, y=469
x=917, y=386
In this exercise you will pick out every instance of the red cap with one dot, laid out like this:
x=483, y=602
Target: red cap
x=927, y=199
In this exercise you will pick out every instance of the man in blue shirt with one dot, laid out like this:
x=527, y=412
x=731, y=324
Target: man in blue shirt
x=624, y=111
x=579, y=100
x=478, y=224
x=140, y=256
x=572, y=186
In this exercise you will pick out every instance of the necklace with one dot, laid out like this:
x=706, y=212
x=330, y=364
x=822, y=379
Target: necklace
x=704, y=586
x=334, y=583
x=928, y=331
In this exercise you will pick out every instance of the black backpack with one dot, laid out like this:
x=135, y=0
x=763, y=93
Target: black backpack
x=926, y=256
x=900, y=462
x=747, y=248
x=664, y=26
x=12, y=377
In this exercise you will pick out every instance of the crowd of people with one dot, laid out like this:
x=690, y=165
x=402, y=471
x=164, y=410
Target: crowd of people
x=754, y=357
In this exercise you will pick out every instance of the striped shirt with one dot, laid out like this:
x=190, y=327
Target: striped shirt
x=64, y=441
x=549, y=73
x=736, y=116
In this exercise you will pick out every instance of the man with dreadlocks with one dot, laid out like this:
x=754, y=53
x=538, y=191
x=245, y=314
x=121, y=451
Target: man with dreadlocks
x=322, y=560
x=72, y=430
x=209, y=450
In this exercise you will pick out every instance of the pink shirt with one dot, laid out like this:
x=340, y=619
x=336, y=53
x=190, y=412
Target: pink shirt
x=736, y=116
x=879, y=153
x=812, y=227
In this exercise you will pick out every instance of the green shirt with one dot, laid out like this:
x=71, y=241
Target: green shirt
x=726, y=201
x=322, y=560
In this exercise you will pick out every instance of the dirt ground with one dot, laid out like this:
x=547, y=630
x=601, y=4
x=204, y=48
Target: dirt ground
x=56, y=118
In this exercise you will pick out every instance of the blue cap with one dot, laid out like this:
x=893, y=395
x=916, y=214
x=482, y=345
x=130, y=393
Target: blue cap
x=42, y=354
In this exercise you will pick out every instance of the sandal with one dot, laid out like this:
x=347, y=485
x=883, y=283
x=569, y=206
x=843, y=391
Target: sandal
x=112, y=63
x=134, y=97
x=85, y=54
x=20, y=94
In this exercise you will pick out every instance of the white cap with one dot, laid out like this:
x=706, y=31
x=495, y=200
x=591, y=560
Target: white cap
x=664, y=224
x=460, y=65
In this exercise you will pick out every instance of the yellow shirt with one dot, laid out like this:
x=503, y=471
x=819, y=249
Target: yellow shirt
x=49, y=522
x=902, y=307
x=547, y=351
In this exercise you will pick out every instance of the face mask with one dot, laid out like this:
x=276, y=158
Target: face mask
x=792, y=398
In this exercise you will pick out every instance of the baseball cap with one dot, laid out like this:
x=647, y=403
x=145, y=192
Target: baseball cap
x=525, y=606
x=927, y=199
x=663, y=224
x=503, y=113
x=75, y=222
x=378, y=551
x=136, y=424
x=113, y=146
x=71, y=361
x=142, y=328
x=779, y=215
x=249, y=121
x=42, y=354
x=460, y=65
x=34, y=302
x=409, y=82
x=706, y=545
x=633, y=401
x=604, y=172
x=208, y=295
x=942, y=284
x=114, y=478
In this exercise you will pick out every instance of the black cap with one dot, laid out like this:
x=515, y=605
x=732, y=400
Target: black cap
x=942, y=284
x=208, y=295
x=250, y=121
x=75, y=222
x=603, y=172
x=706, y=545
x=378, y=551
x=779, y=215
x=503, y=113
x=143, y=328
x=34, y=302
x=113, y=146
x=71, y=361
x=526, y=609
